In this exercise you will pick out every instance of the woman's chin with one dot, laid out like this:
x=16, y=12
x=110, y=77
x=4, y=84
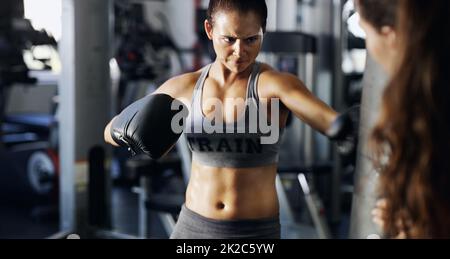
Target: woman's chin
x=238, y=67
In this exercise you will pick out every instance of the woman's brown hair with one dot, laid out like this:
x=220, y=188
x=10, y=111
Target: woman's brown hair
x=412, y=137
x=378, y=13
x=257, y=6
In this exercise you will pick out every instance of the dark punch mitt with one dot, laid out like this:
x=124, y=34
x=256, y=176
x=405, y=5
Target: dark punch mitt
x=344, y=130
x=146, y=125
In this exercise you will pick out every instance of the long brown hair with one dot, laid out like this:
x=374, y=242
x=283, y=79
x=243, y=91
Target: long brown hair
x=412, y=137
x=378, y=13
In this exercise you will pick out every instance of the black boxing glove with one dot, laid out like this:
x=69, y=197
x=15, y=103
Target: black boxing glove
x=344, y=130
x=145, y=127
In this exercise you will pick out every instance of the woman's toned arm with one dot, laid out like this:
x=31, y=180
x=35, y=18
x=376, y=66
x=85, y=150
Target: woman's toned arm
x=179, y=87
x=298, y=99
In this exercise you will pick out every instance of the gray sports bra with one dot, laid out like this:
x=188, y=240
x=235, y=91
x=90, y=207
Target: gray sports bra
x=241, y=149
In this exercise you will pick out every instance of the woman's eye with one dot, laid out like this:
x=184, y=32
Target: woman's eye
x=229, y=40
x=251, y=40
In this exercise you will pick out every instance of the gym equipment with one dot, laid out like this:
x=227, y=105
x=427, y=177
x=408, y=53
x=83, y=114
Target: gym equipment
x=29, y=175
x=41, y=170
x=24, y=138
x=28, y=127
x=166, y=205
x=151, y=174
x=364, y=198
x=97, y=190
x=142, y=53
x=146, y=58
x=315, y=207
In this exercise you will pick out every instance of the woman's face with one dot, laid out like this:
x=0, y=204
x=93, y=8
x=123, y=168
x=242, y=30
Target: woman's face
x=381, y=44
x=236, y=37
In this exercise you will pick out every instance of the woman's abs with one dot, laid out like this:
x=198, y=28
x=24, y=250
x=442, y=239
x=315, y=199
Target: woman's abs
x=232, y=194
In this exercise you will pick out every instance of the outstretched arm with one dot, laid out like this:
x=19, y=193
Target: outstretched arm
x=298, y=99
x=145, y=126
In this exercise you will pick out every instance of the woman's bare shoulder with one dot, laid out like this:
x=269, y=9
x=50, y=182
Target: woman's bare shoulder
x=266, y=68
x=271, y=78
x=180, y=86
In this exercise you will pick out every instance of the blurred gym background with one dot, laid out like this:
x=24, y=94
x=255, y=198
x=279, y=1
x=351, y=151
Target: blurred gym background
x=67, y=66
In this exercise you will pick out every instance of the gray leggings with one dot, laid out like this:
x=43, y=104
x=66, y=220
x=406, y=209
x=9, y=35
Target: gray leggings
x=191, y=225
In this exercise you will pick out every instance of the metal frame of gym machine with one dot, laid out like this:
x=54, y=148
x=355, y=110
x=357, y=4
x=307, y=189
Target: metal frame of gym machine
x=86, y=107
x=85, y=103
